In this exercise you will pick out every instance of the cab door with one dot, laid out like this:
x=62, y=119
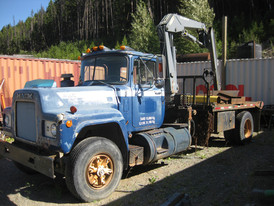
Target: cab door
x=148, y=100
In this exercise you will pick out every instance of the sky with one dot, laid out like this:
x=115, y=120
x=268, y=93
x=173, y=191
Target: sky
x=19, y=9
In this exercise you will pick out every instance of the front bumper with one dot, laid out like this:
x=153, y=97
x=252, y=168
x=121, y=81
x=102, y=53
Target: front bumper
x=39, y=163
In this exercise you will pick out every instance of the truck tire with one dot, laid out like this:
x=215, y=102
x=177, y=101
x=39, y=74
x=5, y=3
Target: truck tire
x=244, y=127
x=94, y=169
x=243, y=131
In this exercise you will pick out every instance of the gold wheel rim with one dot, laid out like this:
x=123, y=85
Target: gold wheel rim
x=247, y=128
x=99, y=171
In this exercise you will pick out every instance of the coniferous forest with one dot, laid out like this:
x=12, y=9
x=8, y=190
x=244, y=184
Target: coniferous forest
x=68, y=27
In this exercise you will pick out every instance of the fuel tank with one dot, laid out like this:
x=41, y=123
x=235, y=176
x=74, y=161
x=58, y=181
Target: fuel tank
x=161, y=143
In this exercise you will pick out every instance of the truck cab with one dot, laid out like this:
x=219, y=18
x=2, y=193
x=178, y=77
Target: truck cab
x=114, y=86
x=110, y=121
x=132, y=76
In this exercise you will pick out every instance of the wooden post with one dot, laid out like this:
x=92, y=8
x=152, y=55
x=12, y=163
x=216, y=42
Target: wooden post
x=254, y=49
x=224, y=40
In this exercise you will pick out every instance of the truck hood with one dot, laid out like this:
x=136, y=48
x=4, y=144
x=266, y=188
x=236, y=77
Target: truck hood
x=56, y=100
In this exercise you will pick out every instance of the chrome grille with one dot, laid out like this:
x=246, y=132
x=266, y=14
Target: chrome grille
x=26, y=121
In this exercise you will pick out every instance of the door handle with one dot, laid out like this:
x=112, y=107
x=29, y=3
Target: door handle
x=157, y=92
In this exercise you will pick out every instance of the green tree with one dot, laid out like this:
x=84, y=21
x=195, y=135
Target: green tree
x=143, y=36
x=253, y=33
x=50, y=24
x=124, y=42
x=198, y=10
x=117, y=46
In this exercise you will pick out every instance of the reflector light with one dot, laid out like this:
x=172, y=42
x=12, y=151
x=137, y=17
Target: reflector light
x=95, y=48
x=79, y=58
x=73, y=109
x=126, y=48
x=101, y=47
x=88, y=50
x=69, y=123
x=160, y=67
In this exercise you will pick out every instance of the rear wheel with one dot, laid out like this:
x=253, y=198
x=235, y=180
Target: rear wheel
x=94, y=169
x=244, y=127
x=243, y=131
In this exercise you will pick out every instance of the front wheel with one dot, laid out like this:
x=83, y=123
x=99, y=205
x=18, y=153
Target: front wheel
x=94, y=169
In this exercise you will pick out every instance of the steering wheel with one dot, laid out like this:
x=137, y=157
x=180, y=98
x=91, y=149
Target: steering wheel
x=123, y=78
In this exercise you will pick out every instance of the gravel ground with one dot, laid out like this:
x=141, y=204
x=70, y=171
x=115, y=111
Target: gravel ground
x=216, y=175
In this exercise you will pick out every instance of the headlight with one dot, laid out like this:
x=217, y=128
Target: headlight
x=7, y=120
x=7, y=117
x=50, y=129
x=53, y=129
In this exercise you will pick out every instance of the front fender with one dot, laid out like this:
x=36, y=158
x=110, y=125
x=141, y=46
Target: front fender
x=69, y=135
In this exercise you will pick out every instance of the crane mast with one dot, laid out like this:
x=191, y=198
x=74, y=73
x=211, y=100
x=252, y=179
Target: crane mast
x=174, y=23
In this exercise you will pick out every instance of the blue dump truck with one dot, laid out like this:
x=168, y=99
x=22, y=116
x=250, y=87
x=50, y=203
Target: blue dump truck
x=124, y=111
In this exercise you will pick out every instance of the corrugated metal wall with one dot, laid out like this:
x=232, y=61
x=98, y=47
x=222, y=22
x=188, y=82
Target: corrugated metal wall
x=257, y=77
x=192, y=68
x=254, y=78
x=17, y=71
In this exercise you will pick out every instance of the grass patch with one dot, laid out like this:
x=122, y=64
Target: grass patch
x=152, y=180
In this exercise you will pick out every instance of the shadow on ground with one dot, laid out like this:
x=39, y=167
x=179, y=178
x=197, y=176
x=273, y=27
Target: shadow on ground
x=33, y=187
x=224, y=179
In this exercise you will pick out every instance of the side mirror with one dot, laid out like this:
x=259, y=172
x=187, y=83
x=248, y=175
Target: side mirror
x=159, y=83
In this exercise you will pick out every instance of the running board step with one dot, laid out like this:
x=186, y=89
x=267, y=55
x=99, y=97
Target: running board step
x=136, y=155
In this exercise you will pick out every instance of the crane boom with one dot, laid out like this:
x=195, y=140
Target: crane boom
x=174, y=23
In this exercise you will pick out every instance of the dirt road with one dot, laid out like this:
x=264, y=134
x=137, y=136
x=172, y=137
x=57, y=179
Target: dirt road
x=217, y=175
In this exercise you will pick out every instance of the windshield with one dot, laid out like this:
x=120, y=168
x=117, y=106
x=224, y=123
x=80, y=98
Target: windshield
x=108, y=69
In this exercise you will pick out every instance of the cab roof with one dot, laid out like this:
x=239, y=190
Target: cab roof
x=105, y=50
